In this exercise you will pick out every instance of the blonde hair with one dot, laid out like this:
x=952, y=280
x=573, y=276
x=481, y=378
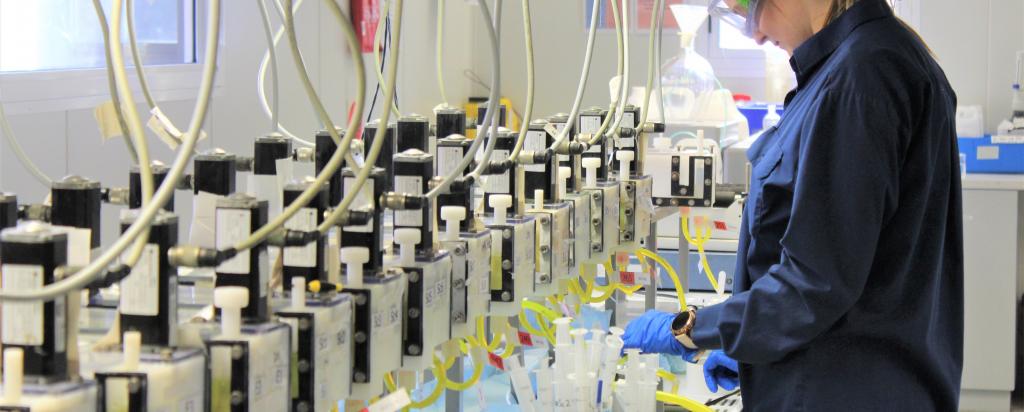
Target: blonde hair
x=841, y=6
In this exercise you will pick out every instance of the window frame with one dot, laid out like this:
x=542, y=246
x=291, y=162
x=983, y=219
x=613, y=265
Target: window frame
x=42, y=91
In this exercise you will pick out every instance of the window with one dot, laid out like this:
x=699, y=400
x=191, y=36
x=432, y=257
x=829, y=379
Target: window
x=65, y=34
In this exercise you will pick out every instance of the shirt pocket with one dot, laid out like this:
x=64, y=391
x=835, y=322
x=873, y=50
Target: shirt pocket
x=761, y=172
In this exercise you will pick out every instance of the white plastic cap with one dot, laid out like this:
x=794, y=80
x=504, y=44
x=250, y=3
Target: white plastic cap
x=407, y=238
x=14, y=365
x=500, y=204
x=564, y=173
x=562, y=331
x=452, y=216
x=591, y=164
x=624, y=156
x=616, y=331
x=354, y=257
x=231, y=300
x=131, y=345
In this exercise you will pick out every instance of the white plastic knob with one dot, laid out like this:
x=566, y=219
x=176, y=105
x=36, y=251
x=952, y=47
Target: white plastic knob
x=354, y=257
x=452, y=216
x=591, y=164
x=538, y=199
x=231, y=300
x=500, y=204
x=564, y=173
x=624, y=156
x=407, y=238
x=14, y=365
x=131, y=345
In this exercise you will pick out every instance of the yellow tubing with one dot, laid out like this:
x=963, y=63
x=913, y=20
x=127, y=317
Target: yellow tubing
x=698, y=240
x=389, y=382
x=481, y=335
x=435, y=394
x=684, y=402
x=478, y=370
x=671, y=273
x=670, y=378
x=530, y=329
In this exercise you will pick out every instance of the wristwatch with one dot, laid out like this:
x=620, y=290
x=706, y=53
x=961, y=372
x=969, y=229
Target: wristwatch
x=682, y=325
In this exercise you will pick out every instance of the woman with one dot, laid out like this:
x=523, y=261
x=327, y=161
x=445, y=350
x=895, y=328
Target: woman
x=849, y=281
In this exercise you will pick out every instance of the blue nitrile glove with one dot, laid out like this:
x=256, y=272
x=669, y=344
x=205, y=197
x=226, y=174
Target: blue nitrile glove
x=652, y=333
x=721, y=371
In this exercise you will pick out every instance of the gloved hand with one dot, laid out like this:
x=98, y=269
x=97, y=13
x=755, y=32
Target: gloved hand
x=721, y=371
x=652, y=333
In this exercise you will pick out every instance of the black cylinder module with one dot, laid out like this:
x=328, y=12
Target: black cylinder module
x=413, y=170
x=8, y=210
x=387, y=151
x=135, y=185
x=149, y=302
x=76, y=203
x=32, y=253
x=325, y=148
x=412, y=132
x=267, y=150
x=306, y=261
x=450, y=121
x=214, y=172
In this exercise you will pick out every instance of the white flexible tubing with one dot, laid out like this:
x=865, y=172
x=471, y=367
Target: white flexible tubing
x=135, y=129
x=619, y=73
x=261, y=89
x=612, y=132
x=378, y=37
x=438, y=44
x=82, y=277
x=645, y=108
x=111, y=84
x=564, y=133
x=378, y=137
x=136, y=59
x=492, y=124
x=528, y=113
x=268, y=32
x=491, y=108
x=32, y=168
x=343, y=143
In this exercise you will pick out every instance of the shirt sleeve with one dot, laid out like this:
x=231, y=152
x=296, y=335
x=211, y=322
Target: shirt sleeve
x=846, y=184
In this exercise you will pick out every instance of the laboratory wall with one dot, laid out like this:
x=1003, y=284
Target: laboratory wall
x=975, y=42
x=62, y=137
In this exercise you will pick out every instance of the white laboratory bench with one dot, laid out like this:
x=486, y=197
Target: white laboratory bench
x=993, y=208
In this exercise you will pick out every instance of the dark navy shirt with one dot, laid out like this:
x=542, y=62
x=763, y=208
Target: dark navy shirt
x=849, y=282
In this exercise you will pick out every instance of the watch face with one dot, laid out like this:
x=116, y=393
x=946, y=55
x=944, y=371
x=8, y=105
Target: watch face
x=680, y=321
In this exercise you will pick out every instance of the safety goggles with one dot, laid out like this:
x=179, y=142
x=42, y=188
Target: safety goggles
x=742, y=15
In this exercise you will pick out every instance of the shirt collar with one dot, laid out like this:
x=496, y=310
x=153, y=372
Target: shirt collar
x=808, y=57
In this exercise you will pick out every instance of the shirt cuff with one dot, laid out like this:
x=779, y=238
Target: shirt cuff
x=705, y=330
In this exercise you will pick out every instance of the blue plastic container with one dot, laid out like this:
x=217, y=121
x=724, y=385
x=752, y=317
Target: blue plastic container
x=1005, y=156
x=755, y=112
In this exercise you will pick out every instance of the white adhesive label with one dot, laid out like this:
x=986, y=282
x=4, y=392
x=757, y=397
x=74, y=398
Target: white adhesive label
x=140, y=291
x=628, y=120
x=301, y=256
x=411, y=185
x=589, y=124
x=660, y=165
x=988, y=153
x=499, y=183
x=23, y=321
x=268, y=370
x=448, y=159
x=363, y=200
x=521, y=384
x=625, y=142
x=233, y=226
x=536, y=141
